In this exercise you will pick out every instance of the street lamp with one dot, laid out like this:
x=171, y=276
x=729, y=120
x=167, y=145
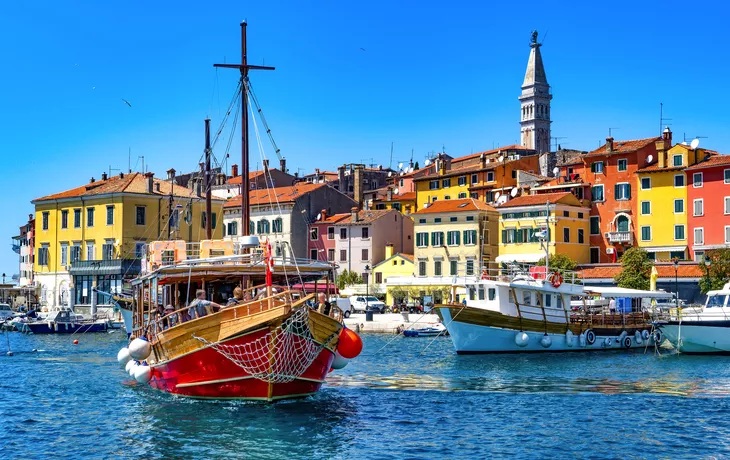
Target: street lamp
x=367, y=282
x=675, y=261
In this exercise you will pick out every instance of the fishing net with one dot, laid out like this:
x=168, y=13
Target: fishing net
x=281, y=355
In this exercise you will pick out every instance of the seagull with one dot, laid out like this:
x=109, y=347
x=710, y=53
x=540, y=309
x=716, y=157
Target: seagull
x=127, y=102
x=363, y=49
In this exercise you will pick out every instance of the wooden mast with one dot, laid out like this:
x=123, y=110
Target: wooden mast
x=244, y=68
x=208, y=185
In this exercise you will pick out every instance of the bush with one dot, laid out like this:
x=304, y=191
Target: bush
x=635, y=270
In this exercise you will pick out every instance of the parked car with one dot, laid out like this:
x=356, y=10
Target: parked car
x=344, y=305
x=361, y=303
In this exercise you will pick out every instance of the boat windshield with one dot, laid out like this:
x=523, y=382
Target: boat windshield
x=372, y=299
x=716, y=300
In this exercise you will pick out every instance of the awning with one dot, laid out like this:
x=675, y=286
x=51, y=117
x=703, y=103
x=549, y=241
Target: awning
x=529, y=257
x=665, y=248
x=616, y=292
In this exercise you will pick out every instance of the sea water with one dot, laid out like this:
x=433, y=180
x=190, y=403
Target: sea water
x=402, y=398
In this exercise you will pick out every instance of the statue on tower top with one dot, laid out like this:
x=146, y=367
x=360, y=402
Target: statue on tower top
x=534, y=37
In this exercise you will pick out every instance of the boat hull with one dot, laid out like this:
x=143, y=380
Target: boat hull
x=700, y=337
x=478, y=336
x=43, y=327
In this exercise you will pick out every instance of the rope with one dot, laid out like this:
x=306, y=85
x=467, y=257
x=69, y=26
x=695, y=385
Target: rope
x=401, y=332
x=439, y=334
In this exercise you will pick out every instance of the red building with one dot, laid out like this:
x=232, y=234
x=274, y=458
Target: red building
x=610, y=172
x=710, y=182
x=321, y=242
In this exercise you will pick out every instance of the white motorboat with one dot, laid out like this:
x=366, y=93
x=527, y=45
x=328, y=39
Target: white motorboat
x=703, y=329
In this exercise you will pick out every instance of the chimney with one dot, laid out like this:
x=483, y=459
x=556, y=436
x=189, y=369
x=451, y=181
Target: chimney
x=103, y=176
x=609, y=144
x=266, y=164
x=324, y=214
x=353, y=214
x=390, y=194
x=30, y=217
x=388, y=251
x=150, y=181
x=282, y=165
x=483, y=161
x=667, y=137
x=341, y=185
x=316, y=171
x=202, y=166
x=121, y=175
x=92, y=180
x=358, y=184
x=234, y=170
x=171, y=173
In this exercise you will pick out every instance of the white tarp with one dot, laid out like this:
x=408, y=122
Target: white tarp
x=529, y=257
x=615, y=292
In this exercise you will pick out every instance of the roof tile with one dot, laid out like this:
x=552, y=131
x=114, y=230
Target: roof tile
x=467, y=204
x=266, y=196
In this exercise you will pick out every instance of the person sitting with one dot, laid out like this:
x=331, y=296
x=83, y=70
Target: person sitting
x=237, y=297
x=201, y=307
x=323, y=306
x=168, y=319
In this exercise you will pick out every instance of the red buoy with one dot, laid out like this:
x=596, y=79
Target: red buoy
x=76, y=342
x=350, y=344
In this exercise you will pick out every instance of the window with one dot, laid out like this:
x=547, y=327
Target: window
x=64, y=254
x=727, y=234
x=447, y=197
x=678, y=206
x=107, y=250
x=470, y=237
x=45, y=220
x=597, y=167
x=566, y=235
x=597, y=192
x=549, y=298
x=90, y=251
x=623, y=164
x=313, y=254
x=313, y=233
x=43, y=255
x=343, y=233
x=453, y=219
x=595, y=225
x=490, y=176
x=698, y=208
x=365, y=232
x=679, y=180
x=437, y=239
x=433, y=185
x=379, y=277
x=251, y=228
x=646, y=183
x=623, y=191
x=699, y=236
x=437, y=268
x=75, y=252
x=646, y=233
x=581, y=236
x=64, y=219
x=330, y=233
x=396, y=206
x=421, y=268
x=566, y=213
x=462, y=195
x=491, y=293
x=645, y=208
x=421, y=221
x=470, y=218
x=110, y=215
x=595, y=255
x=331, y=255
x=446, y=183
x=677, y=160
x=343, y=255
x=469, y=267
x=422, y=239
x=141, y=215
x=263, y=227
x=453, y=238
x=462, y=180
x=697, y=180
x=481, y=292
x=90, y=217
x=453, y=267
x=679, y=232
x=277, y=225
x=727, y=205
x=727, y=176
x=475, y=178
x=437, y=220
x=232, y=228
x=364, y=255
x=139, y=249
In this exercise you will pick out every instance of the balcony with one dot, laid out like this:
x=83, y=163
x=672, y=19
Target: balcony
x=620, y=237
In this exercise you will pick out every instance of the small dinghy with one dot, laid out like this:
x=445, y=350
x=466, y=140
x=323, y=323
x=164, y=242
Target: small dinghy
x=430, y=331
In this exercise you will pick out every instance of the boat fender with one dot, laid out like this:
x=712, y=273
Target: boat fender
x=569, y=337
x=142, y=374
x=621, y=337
x=645, y=334
x=522, y=339
x=658, y=337
x=140, y=348
x=590, y=337
x=637, y=337
x=340, y=361
x=349, y=344
x=128, y=366
x=546, y=341
x=607, y=342
x=123, y=356
x=627, y=342
x=582, y=339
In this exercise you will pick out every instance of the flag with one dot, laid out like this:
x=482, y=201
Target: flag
x=269, y=264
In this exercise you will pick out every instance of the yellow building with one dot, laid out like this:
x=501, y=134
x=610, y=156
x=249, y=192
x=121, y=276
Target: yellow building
x=394, y=265
x=662, y=205
x=96, y=233
x=405, y=202
x=521, y=218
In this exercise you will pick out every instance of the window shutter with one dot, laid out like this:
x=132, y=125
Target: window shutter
x=433, y=238
x=456, y=237
x=504, y=236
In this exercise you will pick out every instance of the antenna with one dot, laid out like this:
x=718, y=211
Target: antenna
x=556, y=139
x=390, y=163
x=694, y=144
x=661, y=118
x=609, y=131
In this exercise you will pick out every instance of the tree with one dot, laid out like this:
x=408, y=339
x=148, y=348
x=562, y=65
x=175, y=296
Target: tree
x=635, y=270
x=715, y=269
x=560, y=262
x=348, y=278
x=416, y=166
x=398, y=293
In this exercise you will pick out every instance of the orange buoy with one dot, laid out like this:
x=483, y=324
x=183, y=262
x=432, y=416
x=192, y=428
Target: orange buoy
x=350, y=344
x=76, y=342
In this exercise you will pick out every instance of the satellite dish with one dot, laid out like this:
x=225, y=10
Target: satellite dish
x=694, y=144
x=347, y=173
x=502, y=199
x=390, y=173
x=410, y=170
x=556, y=171
x=319, y=216
x=400, y=165
x=427, y=162
x=402, y=172
x=514, y=192
x=650, y=158
x=497, y=195
x=396, y=191
x=500, y=158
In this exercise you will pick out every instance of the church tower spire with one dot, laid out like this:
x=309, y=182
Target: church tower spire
x=535, y=102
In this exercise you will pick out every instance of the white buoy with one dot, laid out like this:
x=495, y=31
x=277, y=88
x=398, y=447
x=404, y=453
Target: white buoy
x=142, y=374
x=521, y=339
x=582, y=339
x=645, y=334
x=622, y=336
x=569, y=337
x=339, y=362
x=140, y=348
x=133, y=368
x=637, y=337
x=123, y=356
x=128, y=366
x=546, y=341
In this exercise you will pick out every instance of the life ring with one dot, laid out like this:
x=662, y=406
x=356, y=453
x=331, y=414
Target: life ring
x=556, y=280
x=484, y=276
x=645, y=334
x=658, y=337
x=627, y=342
x=590, y=337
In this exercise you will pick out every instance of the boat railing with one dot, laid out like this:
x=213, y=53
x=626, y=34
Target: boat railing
x=632, y=319
x=514, y=272
x=691, y=313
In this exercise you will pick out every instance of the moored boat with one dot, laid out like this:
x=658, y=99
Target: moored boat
x=64, y=321
x=429, y=331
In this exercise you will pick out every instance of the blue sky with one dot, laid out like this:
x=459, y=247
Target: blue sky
x=432, y=75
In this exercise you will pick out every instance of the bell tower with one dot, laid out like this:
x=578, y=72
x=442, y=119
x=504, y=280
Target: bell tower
x=535, y=102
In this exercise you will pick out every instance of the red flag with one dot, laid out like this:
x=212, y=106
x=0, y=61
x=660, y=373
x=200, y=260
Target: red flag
x=269, y=264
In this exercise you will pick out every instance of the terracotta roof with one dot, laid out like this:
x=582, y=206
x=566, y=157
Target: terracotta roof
x=713, y=161
x=406, y=256
x=408, y=196
x=654, y=167
x=266, y=196
x=665, y=271
x=491, y=152
x=623, y=147
x=251, y=175
x=130, y=183
x=536, y=200
x=364, y=216
x=466, y=204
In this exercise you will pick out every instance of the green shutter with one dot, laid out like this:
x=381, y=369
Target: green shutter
x=433, y=238
x=442, y=238
x=457, y=238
